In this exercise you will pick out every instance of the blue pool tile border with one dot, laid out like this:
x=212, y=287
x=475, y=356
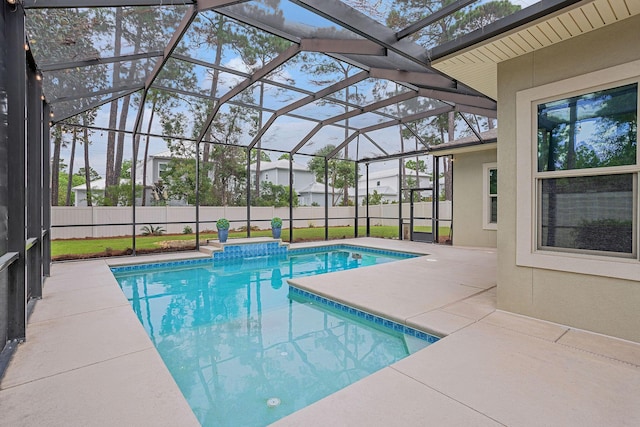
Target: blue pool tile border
x=381, y=321
x=233, y=252
x=242, y=251
x=163, y=264
x=364, y=249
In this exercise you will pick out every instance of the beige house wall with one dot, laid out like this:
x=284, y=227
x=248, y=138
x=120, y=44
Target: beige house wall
x=592, y=302
x=468, y=197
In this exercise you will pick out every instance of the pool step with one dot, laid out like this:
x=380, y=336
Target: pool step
x=244, y=247
x=208, y=249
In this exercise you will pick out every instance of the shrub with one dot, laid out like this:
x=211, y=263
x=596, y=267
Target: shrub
x=187, y=230
x=276, y=222
x=150, y=230
x=222, y=224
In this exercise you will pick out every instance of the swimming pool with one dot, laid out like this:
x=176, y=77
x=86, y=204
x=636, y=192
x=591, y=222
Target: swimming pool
x=247, y=350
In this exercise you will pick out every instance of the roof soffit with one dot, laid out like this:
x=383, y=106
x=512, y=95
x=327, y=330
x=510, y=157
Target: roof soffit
x=477, y=64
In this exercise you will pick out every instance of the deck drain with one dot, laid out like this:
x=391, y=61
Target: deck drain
x=273, y=402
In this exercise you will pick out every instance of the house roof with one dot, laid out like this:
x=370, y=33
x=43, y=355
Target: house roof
x=468, y=143
x=383, y=190
x=386, y=173
x=100, y=184
x=168, y=154
x=279, y=164
x=314, y=187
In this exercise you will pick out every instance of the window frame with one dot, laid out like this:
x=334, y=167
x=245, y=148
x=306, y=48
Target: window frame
x=163, y=166
x=541, y=176
x=487, y=196
x=528, y=252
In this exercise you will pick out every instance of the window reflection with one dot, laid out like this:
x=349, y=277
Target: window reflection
x=598, y=129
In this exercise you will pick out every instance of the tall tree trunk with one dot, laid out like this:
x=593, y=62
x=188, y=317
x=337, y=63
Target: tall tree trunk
x=403, y=193
x=122, y=126
x=478, y=127
x=418, y=183
x=451, y=126
x=258, y=153
x=206, y=149
x=345, y=187
x=74, y=140
x=55, y=167
x=146, y=154
x=446, y=161
x=111, y=179
x=87, y=168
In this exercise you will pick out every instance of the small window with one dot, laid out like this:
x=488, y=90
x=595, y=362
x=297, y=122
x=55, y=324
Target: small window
x=490, y=200
x=162, y=167
x=378, y=184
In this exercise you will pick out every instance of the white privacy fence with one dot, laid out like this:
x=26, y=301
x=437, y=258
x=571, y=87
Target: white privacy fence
x=388, y=214
x=70, y=222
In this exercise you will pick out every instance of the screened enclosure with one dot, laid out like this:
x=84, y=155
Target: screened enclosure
x=151, y=117
x=190, y=105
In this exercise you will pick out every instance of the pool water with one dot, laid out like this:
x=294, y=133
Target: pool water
x=246, y=352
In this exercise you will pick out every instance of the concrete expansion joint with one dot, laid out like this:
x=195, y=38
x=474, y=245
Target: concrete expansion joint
x=563, y=334
x=480, y=292
x=49, y=290
x=77, y=368
x=519, y=331
x=448, y=396
x=567, y=346
x=613, y=359
x=67, y=316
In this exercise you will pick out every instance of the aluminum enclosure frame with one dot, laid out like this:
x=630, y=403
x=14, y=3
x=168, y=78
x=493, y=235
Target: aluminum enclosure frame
x=24, y=181
x=375, y=40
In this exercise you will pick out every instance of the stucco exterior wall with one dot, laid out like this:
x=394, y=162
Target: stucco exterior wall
x=596, y=303
x=468, y=196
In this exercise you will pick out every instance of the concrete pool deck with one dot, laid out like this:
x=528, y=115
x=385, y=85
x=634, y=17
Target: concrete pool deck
x=88, y=361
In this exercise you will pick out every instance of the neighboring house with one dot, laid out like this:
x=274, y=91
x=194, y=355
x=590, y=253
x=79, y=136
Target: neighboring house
x=568, y=230
x=313, y=194
x=277, y=173
x=475, y=194
x=385, y=182
x=97, y=190
x=156, y=164
x=80, y=191
x=388, y=194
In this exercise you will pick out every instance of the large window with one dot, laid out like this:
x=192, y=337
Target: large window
x=586, y=147
x=578, y=173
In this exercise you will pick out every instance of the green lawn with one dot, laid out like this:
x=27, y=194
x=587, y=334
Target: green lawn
x=97, y=246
